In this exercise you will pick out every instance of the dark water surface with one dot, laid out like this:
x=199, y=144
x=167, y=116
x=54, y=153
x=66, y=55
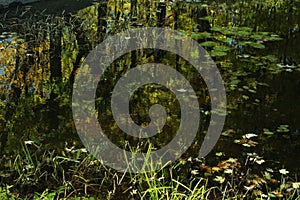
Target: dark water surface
x=41, y=53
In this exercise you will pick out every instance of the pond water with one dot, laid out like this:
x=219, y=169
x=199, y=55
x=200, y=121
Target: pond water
x=256, y=47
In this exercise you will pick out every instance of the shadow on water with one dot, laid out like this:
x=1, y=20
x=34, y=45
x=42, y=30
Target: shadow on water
x=49, y=7
x=262, y=77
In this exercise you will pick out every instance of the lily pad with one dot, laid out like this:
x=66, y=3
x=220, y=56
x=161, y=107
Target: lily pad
x=208, y=44
x=248, y=29
x=229, y=32
x=268, y=132
x=245, y=43
x=203, y=35
x=273, y=38
x=219, y=29
x=217, y=53
x=283, y=129
x=243, y=33
x=222, y=48
x=256, y=36
x=264, y=33
x=257, y=45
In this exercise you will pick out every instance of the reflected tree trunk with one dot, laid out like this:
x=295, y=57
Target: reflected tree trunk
x=10, y=109
x=147, y=10
x=55, y=53
x=161, y=16
x=12, y=102
x=56, y=72
x=202, y=25
x=133, y=6
x=176, y=15
x=102, y=19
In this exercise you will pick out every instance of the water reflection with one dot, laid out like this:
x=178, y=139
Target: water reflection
x=48, y=51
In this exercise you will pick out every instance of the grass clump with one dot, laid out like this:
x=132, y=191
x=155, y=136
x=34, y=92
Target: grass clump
x=37, y=173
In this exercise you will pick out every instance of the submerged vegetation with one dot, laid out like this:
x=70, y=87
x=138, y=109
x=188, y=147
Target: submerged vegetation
x=256, y=46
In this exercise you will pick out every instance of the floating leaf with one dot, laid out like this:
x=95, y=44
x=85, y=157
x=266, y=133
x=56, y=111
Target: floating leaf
x=208, y=44
x=259, y=161
x=245, y=29
x=270, y=170
x=272, y=38
x=217, y=29
x=268, y=132
x=243, y=33
x=283, y=129
x=237, y=141
x=271, y=195
x=203, y=35
x=251, y=187
x=244, y=56
x=245, y=97
x=224, y=39
x=296, y=185
x=283, y=171
x=256, y=36
x=257, y=45
x=194, y=172
x=244, y=43
x=246, y=142
x=252, y=91
x=252, y=143
x=219, y=179
x=29, y=142
x=222, y=48
x=250, y=135
x=215, y=169
x=246, y=145
x=219, y=154
x=228, y=132
x=267, y=175
x=271, y=58
x=264, y=33
x=228, y=171
x=235, y=82
x=229, y=32
x=217, y=53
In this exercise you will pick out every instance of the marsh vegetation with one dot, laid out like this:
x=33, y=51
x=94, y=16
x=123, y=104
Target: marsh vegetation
x=256, y=46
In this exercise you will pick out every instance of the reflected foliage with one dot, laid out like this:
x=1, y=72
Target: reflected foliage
x=255, y=44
